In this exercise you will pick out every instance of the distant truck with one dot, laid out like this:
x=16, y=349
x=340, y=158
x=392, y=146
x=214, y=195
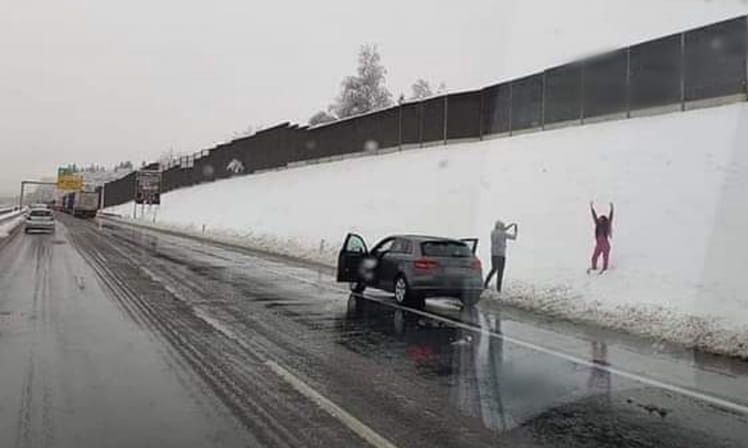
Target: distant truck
x=81, y=204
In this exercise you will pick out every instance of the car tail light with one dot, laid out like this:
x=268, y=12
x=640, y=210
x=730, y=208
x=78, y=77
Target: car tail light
x=425, y=265
x=476, y=265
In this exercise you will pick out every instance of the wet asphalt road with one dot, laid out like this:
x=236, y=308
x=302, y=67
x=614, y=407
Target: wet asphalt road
x=112, y=336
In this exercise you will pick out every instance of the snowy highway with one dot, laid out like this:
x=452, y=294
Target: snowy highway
x=112, y=335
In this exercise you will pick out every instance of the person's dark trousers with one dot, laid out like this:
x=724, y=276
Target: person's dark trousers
x=497, y=267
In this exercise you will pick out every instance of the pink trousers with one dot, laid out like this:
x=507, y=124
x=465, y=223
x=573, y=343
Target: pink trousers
x=602, y=247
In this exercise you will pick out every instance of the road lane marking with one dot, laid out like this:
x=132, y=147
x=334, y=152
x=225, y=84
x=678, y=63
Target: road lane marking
x=331, y=408
x=720, y=402
x=716, y=401
x=580, y=361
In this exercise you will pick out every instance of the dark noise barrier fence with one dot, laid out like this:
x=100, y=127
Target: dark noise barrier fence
x=696, y=68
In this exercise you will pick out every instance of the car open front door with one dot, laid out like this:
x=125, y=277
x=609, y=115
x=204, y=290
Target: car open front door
x=349, y=259
x=471, y=242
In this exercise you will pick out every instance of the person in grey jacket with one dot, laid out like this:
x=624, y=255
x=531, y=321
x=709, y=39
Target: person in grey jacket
x=499, y=235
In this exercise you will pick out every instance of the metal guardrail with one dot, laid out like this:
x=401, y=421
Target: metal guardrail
x=10, y=215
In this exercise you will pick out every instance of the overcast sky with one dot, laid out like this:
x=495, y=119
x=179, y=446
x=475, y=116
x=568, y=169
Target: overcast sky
x=102, y=80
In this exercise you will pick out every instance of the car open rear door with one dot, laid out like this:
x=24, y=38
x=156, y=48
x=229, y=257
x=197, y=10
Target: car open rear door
x=353, y=251
x=471, y=242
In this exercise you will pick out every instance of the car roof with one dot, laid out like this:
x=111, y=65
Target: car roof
x=422, y=238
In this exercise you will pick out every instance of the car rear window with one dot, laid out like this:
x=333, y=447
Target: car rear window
x=40, y=213
x=445, y=249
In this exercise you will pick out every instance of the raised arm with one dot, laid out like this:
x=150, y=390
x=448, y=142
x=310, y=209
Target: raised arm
x=592, y=209
x=610, y=217
x=512, y=236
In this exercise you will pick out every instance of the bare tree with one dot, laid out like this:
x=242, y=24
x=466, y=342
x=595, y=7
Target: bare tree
x=169, y=158
x=321, y=117
x=421, y=89
x=365, y=91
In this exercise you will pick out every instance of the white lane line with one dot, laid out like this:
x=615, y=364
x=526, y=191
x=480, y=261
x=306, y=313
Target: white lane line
x=720, y=402
x=716, y=401
x=580, y=361
x=331, y=408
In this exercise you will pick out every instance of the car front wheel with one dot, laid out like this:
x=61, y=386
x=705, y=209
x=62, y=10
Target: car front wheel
x=402, y=290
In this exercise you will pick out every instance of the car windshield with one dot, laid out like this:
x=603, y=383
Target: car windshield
x=445, y=249
x=40, y=213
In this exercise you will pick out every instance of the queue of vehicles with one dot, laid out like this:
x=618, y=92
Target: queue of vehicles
x=412, y=267
x=81, y=204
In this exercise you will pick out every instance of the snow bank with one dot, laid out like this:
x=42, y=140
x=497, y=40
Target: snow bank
x=679, y=183
x=8, y=222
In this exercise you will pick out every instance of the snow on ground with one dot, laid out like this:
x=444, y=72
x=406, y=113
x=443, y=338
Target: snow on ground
x=679, y=182
x=8, y=222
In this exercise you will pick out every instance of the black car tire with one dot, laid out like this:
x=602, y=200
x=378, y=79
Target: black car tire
x=401, y=288
x=357, y=287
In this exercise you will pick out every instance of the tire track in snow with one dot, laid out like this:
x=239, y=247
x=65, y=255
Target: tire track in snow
x=256, y=397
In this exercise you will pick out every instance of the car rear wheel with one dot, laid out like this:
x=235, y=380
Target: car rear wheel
x=357, y=287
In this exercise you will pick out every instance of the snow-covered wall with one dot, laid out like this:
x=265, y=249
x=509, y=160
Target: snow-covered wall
x=679, y=183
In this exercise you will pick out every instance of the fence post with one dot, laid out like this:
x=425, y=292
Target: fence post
x=682, y=71
x=446, y=112
x=420, y=124
x=400, y=127
x=20, y=198
x=581, y=92
x=511, y=94
x=542, y=103
x=628, y=82
x=135, y=197
x=480, y=115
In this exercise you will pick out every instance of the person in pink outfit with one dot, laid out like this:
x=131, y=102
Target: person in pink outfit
x=603, y=233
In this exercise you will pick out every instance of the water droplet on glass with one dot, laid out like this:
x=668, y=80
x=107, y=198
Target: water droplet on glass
x=371, y=145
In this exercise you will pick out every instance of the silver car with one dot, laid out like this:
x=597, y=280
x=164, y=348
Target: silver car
x=413, y=267
x=40, y=219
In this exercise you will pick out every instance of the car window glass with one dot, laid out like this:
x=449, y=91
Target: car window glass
x=401, y=246
x=397, y=246
x=445, y=249
x=384, y=246
x=355, y=244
